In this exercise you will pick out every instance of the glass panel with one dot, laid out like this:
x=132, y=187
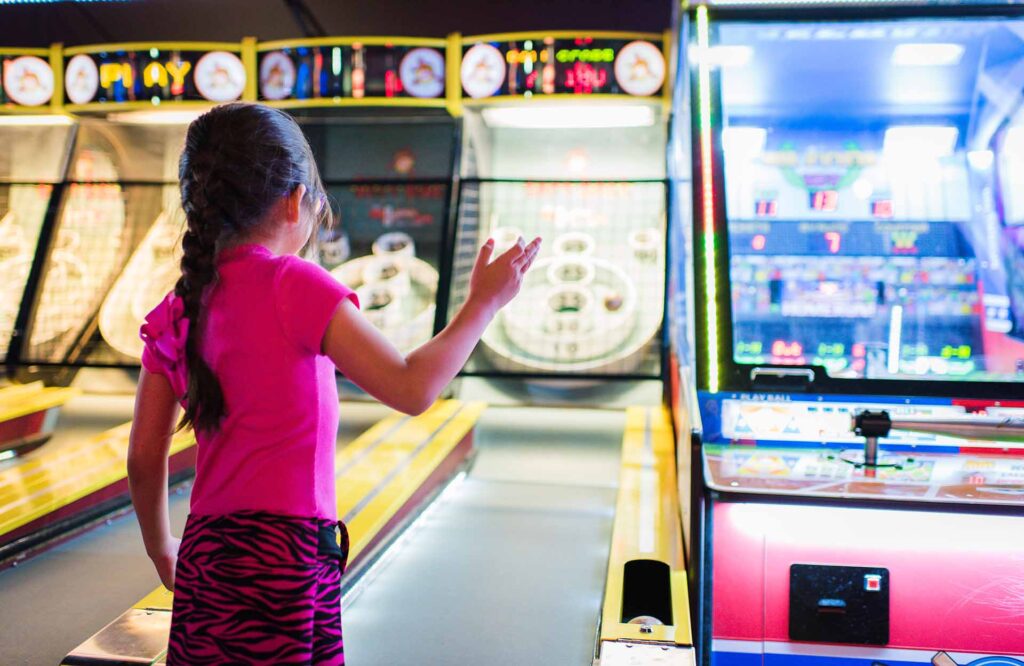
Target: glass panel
x=593, y=301
x=547, y=141
x=402, y=147
x=88, y=309
x=107, y=151
x=33, y=154
x=22, y=209
x=387, y=246
x=867, y=227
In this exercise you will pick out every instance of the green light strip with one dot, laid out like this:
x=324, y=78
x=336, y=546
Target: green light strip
x=708, y=197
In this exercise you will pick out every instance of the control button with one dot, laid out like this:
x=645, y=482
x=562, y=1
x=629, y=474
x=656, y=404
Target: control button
x=872, y=582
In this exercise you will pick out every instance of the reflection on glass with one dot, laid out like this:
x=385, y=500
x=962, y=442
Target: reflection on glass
x=874, y=223
x=22, y=209
x=385, y=244
x=149, y=275
x=593, y=300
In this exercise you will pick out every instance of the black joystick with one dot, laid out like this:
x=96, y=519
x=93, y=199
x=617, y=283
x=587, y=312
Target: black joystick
x=872, y=425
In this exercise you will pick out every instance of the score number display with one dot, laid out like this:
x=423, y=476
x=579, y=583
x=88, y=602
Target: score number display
x=552, y=66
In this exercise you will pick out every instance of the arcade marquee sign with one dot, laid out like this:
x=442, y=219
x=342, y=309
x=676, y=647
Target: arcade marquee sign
x=327, y=71
x=153, y=75
x=552, y=65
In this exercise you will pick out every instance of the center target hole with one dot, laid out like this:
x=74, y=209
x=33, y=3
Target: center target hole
x=572, y=272
x=379, y=300
x=568, y=302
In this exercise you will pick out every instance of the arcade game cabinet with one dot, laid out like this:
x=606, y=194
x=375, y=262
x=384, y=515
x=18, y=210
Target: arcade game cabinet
x=856, y=252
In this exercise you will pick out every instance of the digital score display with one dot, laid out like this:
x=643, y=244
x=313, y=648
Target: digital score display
x=825, y=201
x=553, y=65
x=351, y=71
x=153, y=75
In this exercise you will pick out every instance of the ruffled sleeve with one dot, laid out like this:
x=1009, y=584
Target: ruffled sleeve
x=164, y=335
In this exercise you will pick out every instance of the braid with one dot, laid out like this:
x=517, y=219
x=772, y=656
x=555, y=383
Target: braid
x=206, y=224
x=238, y=160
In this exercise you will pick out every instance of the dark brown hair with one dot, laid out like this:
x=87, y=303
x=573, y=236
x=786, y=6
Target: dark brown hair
x=238, y=160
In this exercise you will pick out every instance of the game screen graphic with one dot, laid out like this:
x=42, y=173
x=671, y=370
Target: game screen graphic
x=872, y=185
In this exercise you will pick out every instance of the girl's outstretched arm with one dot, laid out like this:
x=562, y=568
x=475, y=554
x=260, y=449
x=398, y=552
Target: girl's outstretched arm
x=156, y=412
x=412, y=383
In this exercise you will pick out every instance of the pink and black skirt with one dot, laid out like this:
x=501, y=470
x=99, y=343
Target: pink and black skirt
x=258, y=588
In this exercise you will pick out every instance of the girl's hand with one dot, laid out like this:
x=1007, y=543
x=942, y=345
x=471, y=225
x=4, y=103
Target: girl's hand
x=495, y=283
x=165, y=562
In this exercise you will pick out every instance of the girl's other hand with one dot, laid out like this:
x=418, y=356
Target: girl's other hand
x=165, y=562
x=495, y=283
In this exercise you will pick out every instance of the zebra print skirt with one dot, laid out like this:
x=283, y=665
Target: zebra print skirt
x=258, y=588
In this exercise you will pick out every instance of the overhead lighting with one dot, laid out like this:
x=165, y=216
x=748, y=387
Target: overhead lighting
x=724, y=56
x=569, y=116
x=981, y=160
x=39, y=120
x=1014, y=140
x=179, y=117
x=927, y=55
x=919, y=141
x=744, y=142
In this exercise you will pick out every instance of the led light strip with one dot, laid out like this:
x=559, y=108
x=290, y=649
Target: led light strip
x=708, y=195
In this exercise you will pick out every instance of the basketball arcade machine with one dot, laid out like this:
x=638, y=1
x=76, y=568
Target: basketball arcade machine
x=108, y=254
x=37, y=138
x=854, y=250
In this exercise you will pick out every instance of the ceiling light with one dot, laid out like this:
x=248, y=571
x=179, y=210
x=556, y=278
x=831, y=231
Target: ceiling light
x=919, y=141
x=981, y=160
x=569, y=116
x=927, y=55
x=1013, y=142
x=179, y=117
x=743, y=142
x=724, y=56
x=53, y=119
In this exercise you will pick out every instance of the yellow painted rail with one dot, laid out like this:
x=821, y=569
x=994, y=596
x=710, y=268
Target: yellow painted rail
x=54, y=479
x=20, y=400
x=646, y=530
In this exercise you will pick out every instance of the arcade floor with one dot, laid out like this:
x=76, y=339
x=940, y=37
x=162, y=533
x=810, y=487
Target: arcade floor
x=507, y=566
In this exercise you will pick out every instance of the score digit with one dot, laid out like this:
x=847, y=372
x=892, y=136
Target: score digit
x=834, y=240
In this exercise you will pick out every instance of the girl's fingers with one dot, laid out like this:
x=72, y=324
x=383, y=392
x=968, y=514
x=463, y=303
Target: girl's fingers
x=524, y=261
x=484, y=256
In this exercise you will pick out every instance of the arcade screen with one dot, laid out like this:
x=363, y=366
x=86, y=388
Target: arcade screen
x=31, y=162
x=873, y=180
x=593, y=302
x=116, y=246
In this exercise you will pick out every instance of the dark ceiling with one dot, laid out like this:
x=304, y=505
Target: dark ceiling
x=229, y=20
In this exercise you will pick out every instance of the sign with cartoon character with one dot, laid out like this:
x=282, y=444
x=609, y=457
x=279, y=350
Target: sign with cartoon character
x=27, y=81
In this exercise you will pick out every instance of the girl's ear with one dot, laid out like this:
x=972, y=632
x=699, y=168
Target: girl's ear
x=293, y=205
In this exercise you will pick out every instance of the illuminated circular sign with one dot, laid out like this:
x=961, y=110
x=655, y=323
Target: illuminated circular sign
x=277, y=75
x=483, y=70
x=220, y=76
x=28, y=81
x=640, y=68
x=81, y=79
x=422, y=72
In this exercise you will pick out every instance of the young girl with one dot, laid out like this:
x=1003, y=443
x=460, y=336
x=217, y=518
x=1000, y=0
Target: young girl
x=247, y=343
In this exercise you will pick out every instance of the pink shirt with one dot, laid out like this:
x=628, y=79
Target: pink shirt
x=264, y=322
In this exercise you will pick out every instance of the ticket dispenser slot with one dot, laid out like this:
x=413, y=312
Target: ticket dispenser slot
x=837, y=604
